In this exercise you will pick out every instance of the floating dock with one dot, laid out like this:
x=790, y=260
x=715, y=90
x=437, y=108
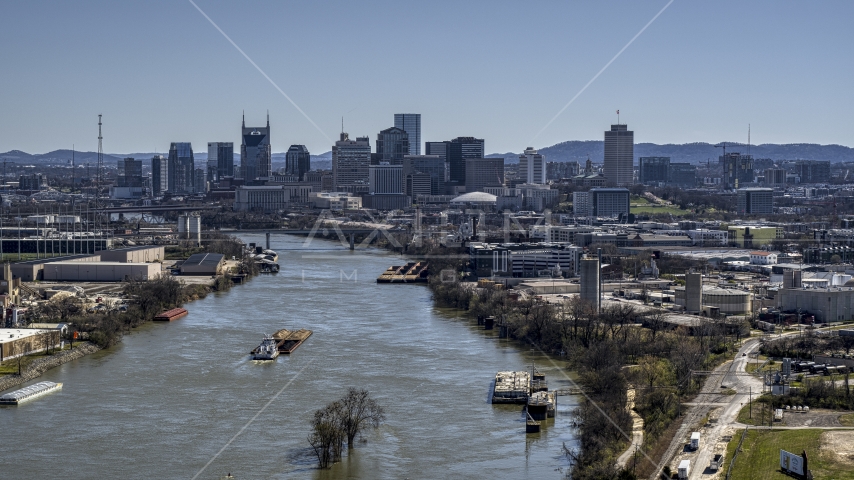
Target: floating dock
x=288, y=341
x=29, y=393
x=170, y=315
x=511, y=387
x=412, y=272
x=542, y=405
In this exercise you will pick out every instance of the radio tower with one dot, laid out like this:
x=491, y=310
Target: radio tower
x=100, y=163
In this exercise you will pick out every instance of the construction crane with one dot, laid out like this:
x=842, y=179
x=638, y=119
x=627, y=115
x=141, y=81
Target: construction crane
x=722, y=145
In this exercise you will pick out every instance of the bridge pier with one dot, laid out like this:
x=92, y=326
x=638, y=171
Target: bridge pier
x=268, y=240
x=352, y=241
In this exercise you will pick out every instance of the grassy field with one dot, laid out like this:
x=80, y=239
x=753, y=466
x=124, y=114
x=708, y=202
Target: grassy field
x=760, y=416
x=10, y=367
x=638, y=200
x=759, y=458
x=653, y=209
x=847, y=419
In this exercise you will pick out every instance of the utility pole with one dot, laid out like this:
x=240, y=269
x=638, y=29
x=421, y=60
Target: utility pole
x=750, y=402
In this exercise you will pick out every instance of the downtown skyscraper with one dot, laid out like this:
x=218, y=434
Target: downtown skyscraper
x=256, y=154
x=181, y=168
x=411, y=124
x=220, y=160
x=619, y=155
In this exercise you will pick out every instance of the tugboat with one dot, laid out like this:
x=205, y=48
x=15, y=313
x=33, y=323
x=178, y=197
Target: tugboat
x=268, y=350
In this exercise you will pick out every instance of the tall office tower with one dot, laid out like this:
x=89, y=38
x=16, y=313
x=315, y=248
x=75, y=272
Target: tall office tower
x=220, y=160
x=736, y=170
x=181, y=168
x=256, y=154
x=159, y=175
x=619, y=155
x=129, y=173
x=297, y=161
x=755, y=201
x=653, y=169
x=813, y=171
x=392, y=145
x=432, y=165
x=411, y=124
x=350, y=162
x=483, y=172
x=532, y=167
x=682, y=174
x=385, y=179
x=201, y=182
x=459, y=149
x=601, y=202
x=439, y=149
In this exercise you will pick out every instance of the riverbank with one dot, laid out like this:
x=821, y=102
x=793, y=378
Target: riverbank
x=39, y=366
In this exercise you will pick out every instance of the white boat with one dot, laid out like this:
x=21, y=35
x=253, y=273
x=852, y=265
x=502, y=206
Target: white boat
x=268, y=350
x=29, y=393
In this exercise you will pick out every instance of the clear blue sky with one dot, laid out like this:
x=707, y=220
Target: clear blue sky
x=159, y=72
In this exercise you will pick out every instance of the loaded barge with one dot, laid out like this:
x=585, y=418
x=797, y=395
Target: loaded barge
x=412, y=272
x=170, y=315
x=287, y=341
x=29, y=393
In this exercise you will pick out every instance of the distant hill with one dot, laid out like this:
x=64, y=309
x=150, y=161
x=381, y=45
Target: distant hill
x=577, y=150
x=692, y=152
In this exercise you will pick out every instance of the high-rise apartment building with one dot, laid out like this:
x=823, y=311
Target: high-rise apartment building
x=619, y=155
x=602, y=202
x=129, y=173
x=483, y=172
x=775, y=176
x=159, y=175
x=297, y=161
x=755, y=201
x=181, y=168
x=220, y=160
x=350, y=162
x=736, y=170
x=532, y=167
x=411, y=124
x=653, y=170
x=392, y=146
x=432, y=165
x=201, y=182
x=256, y=154
x=813, y=171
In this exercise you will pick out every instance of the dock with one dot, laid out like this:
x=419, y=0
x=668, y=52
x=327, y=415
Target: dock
x=170, y=315
x=412, y=272
x=288, y=341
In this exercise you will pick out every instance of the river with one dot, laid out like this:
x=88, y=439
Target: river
x=165, y=401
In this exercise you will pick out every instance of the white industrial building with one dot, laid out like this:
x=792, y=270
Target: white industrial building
x=335, y=200
x=832, y=304
x=728, y=301
x=708, y=238
x=763, y=258
x=100, y=271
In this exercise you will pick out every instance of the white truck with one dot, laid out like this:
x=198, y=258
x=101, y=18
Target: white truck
x=695, y=440
x=717, y=462
x=684, y=469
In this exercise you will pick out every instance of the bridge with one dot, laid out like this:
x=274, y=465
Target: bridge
x=156, y=209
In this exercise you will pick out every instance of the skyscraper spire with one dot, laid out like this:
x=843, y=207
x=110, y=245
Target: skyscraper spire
x=244, y=119
x=268, y=119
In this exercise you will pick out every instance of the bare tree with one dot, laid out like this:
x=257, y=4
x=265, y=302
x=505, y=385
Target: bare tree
x=359, y=410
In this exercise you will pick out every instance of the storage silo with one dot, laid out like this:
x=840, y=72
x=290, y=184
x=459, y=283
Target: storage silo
x=693, y=292
x=590, y=281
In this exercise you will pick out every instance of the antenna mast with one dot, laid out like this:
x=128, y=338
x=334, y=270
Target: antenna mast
x=100, y=161
x=748, y=139
x=72, y=168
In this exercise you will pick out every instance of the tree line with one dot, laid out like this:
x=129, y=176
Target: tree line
x=341, y=422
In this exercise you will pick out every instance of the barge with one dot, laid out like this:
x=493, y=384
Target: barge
x=287, y=341
x=170, y=315
x=412, y=272
x=511, y=387
x=29, y=393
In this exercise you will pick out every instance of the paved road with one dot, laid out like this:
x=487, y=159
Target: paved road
x=728, y=414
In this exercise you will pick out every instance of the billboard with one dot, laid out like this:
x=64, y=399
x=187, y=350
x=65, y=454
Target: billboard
x=791, y=462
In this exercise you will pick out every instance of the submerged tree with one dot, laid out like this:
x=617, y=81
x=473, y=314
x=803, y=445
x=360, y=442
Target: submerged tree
x=340, y=421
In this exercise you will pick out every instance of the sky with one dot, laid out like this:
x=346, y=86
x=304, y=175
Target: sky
x=160, y=72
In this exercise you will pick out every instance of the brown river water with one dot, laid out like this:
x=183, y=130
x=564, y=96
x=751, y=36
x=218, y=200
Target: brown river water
x=182, y=400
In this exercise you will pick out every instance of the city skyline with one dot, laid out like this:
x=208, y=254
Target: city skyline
x=669, y=91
